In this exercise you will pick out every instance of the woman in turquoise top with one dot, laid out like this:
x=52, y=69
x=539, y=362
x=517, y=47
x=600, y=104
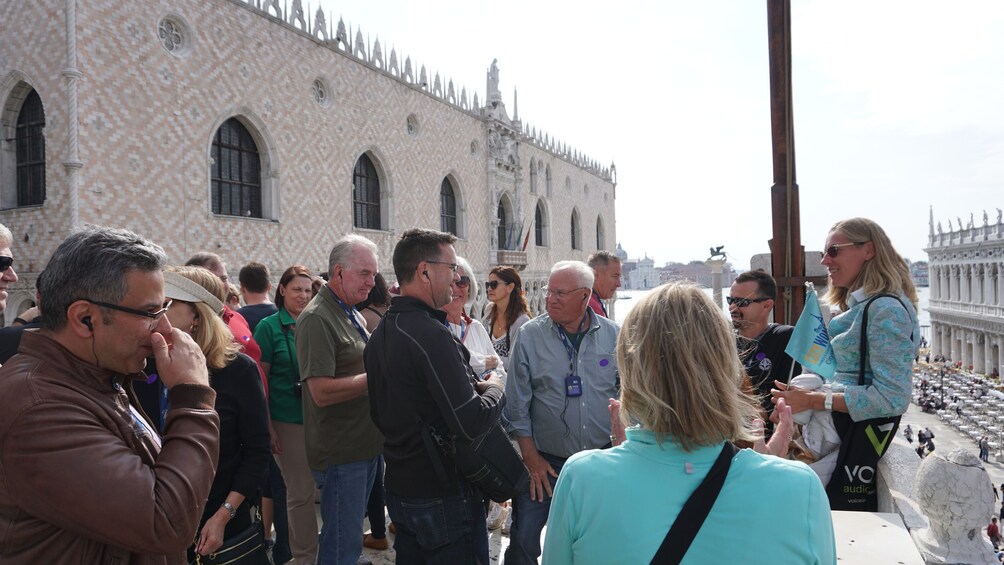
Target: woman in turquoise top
x=681, y=376
x=862, y=263
x=276, y=336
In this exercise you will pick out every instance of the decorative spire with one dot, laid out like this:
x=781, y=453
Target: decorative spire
x=515, y=104
x=320, y=25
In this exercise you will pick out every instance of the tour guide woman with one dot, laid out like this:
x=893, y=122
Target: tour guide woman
x=680, y=377
x=198, y=297
x=862, y=263
x=276, y=335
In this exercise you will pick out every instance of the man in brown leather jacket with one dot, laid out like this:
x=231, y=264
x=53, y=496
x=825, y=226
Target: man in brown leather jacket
x=84, y=477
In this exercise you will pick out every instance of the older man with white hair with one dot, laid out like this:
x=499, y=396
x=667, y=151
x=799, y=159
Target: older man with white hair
x=562, y=372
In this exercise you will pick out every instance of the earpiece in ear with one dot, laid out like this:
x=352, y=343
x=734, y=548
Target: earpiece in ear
x=86, y=320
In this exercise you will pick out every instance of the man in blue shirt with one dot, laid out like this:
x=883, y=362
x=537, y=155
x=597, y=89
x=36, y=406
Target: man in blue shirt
x=563, y=372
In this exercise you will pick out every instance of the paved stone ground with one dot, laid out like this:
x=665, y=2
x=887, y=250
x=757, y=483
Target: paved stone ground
x=947, y=438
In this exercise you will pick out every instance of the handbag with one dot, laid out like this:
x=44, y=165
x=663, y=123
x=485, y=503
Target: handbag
x=245, y=548
x=489, y=463
x=852, y=486
x=691, y=517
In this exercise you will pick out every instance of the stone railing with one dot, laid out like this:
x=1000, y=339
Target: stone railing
x=945, y=502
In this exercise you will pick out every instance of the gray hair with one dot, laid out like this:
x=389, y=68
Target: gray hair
x=92, y=264
x=6, y=238
x=467, y=271
x=602, y=259
x=345, y=246
x=584, y=276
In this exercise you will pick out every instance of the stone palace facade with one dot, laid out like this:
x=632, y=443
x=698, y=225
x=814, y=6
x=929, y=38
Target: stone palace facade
x=967, y=291
x=259, y=132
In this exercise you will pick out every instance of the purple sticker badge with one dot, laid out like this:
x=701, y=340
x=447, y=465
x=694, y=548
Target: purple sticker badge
x=150, y=379
x=604, y=362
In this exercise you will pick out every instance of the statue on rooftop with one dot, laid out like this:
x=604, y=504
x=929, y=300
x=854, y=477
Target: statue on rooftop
x=494, y=94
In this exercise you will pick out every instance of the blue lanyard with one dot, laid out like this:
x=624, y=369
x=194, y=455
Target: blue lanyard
x=572, y=356
x=351, y=313
x=463, y=330
x=602, y=306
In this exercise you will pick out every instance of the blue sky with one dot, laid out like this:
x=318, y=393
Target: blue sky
x=897, y=106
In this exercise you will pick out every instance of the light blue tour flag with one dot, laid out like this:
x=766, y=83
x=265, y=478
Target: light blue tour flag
x=810, y=342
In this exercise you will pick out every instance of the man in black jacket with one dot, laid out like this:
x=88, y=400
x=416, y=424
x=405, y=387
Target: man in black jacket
x=419, y=377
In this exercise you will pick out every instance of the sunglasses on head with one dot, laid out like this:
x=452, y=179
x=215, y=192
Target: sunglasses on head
x=743, y=302
x=5, y=263
x=464, y=282
x=834, y=249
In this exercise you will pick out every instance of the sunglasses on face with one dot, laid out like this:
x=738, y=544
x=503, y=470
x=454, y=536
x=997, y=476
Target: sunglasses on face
x=743, y=302
x=464, y=282
x=834, y=249
x=494, y=284
x=5, y=263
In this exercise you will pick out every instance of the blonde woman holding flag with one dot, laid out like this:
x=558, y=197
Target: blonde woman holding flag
x=874, y=340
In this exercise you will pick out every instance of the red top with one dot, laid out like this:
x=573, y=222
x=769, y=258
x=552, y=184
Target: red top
x=596, y=305
x=242, y=335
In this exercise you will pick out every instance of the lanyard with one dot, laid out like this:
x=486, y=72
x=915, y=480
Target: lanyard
x=569, y=348
x=351, y=312
x=602, y=306
x=463, y=330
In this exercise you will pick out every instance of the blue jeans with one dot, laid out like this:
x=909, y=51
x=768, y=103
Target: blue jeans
x=345, y=489
x=434, y=531
x=528, y=519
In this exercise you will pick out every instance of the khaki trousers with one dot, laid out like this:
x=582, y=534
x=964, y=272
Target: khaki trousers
x=300, y=490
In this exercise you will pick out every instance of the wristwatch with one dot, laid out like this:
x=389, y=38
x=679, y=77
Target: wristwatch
x=230, y=508
x=828, y=403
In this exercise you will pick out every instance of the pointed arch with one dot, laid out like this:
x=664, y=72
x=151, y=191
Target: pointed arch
x=576, y=229
x=601, y=234
x=506, y=218
x=541, y=224
x=243, y=167
x=22, y=144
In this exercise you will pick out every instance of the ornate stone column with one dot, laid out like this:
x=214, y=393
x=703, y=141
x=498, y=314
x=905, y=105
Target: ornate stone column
x=989, y=284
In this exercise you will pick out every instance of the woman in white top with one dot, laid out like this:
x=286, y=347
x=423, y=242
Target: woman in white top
x=508, y=309
x=470, y=332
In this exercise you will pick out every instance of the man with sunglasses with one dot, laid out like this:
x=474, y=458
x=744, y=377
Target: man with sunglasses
x=761, y=343
x=86, y=477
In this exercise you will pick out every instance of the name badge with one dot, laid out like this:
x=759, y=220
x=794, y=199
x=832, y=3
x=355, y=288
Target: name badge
x=573, y=386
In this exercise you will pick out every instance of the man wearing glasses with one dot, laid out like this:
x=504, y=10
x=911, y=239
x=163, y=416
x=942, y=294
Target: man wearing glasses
x=421, y=379
x=342, y=441
x=87, y=477
x=761, y=343
x=562, y=372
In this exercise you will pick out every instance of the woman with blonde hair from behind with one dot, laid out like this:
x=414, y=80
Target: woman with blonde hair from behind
x=197, y=304
x=680, y=378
